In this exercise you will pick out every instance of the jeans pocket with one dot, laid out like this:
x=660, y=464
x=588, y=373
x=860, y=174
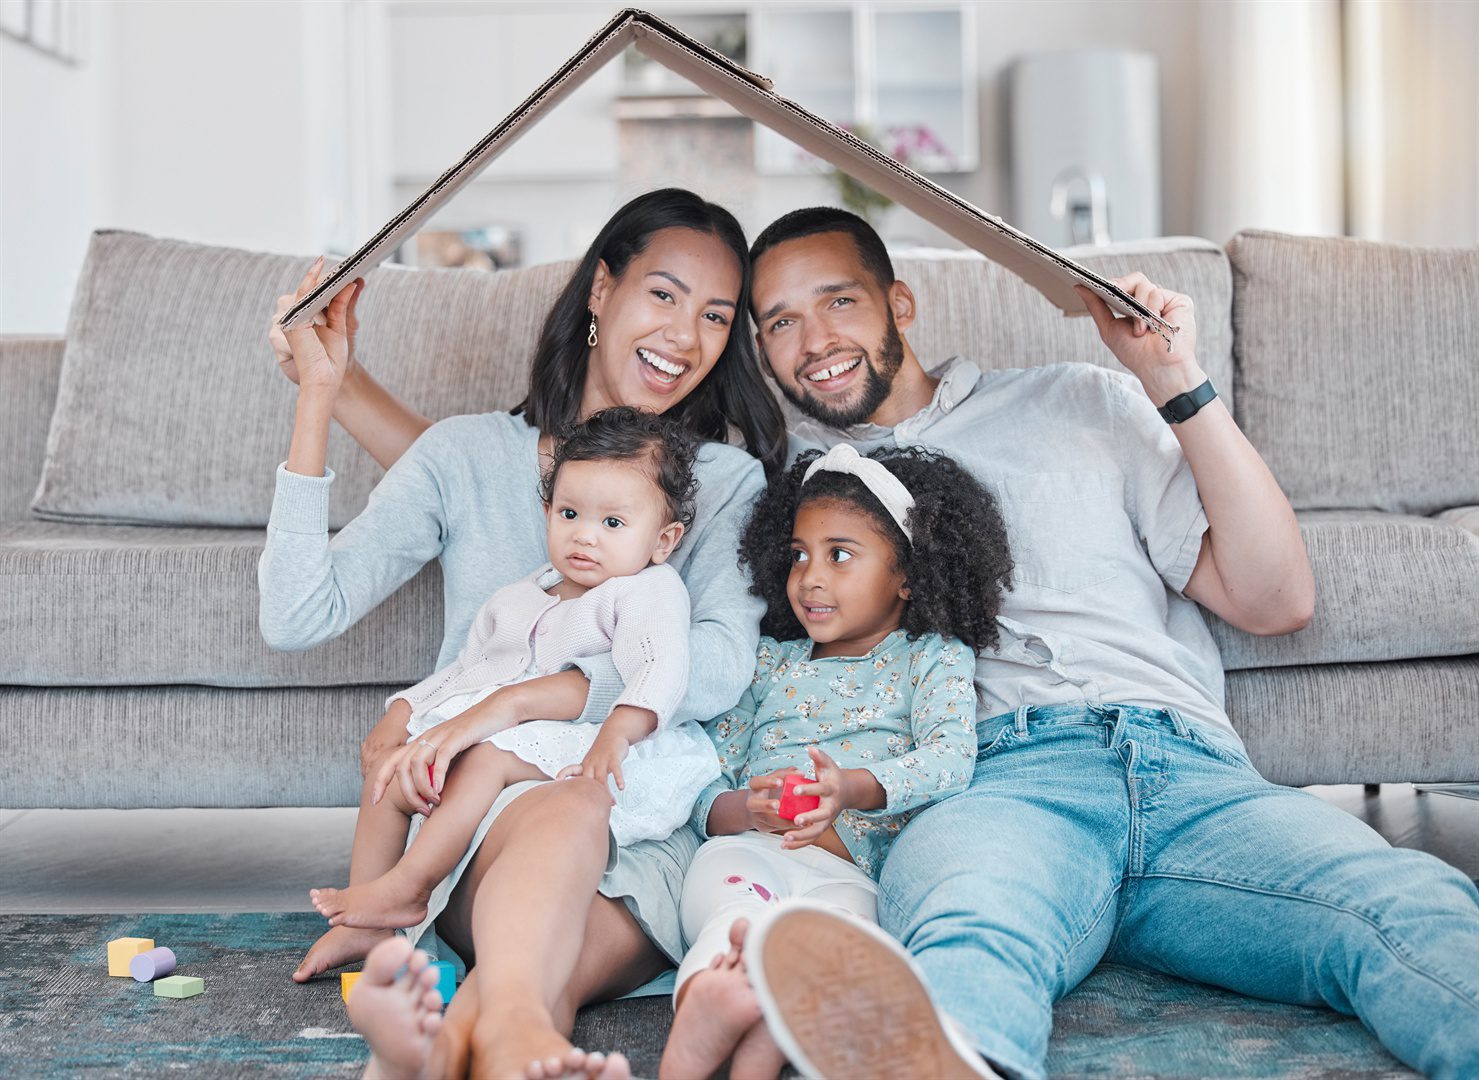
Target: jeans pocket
x=1227, y=748
x=1004, y=738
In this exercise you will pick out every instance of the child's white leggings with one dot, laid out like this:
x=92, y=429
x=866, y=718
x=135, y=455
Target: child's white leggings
x=738, y=877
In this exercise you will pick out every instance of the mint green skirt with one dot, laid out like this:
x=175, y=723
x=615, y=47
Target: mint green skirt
x=646, y=876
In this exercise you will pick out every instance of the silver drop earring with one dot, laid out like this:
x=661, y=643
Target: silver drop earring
x=590, y=339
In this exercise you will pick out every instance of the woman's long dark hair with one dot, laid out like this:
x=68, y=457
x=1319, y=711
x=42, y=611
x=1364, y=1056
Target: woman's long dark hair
x=733, y=393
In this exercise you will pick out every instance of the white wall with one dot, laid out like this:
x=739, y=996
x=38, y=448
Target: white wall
x=301, y=125
x=53, y=164
x=456, y=74
x=209, y=139
x=219, y=122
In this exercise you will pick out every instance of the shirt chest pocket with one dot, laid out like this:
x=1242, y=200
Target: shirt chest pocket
x=1065, y=527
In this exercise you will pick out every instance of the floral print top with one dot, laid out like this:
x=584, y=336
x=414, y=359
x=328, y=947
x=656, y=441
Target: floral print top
x=906, y=712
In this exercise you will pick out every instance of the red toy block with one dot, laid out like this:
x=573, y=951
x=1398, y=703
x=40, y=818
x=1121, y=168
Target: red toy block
x=793, y=804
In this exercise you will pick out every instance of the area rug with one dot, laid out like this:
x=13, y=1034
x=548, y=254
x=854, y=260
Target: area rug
x=61, y=1015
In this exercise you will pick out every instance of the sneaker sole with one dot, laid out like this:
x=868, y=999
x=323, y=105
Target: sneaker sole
x=877, y=1021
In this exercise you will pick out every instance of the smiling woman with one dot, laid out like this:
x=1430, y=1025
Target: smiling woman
x=645, y=321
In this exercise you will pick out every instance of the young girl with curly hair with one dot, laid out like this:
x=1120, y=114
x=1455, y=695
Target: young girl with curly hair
x=882, y=577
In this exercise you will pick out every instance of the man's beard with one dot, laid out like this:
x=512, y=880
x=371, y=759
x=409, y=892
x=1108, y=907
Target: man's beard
x=877, y=380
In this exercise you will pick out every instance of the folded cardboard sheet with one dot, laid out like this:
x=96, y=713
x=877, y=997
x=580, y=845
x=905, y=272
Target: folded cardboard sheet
x=752, y=95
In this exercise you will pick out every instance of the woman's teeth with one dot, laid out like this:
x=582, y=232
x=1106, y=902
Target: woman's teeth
x=664, y=367
x=835, y=370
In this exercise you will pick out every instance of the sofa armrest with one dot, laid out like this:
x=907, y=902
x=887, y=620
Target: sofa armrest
x=30, y=369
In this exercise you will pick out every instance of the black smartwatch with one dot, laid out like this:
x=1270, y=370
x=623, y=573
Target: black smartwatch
x=1183, y=407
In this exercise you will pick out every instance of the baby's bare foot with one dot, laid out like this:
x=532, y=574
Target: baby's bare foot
x=718, y=1010
x=387, y=903
x=396, y=1007
x=339, y=946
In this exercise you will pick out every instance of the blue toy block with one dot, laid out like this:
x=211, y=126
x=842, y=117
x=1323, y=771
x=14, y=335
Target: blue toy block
x=446, y=980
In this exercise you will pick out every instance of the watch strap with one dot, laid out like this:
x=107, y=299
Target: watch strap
x=1183, y=407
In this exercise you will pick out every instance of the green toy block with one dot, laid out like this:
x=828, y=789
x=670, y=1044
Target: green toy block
x=178, y=986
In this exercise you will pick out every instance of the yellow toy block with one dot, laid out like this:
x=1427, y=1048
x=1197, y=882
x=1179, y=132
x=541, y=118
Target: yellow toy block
x=122, y=950
x=346, y=983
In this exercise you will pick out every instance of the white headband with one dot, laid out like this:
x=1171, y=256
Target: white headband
x=885, y=486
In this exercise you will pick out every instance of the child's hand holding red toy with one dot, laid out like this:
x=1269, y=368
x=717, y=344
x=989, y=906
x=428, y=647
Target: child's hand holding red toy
x=826, y=791
x=793, y=804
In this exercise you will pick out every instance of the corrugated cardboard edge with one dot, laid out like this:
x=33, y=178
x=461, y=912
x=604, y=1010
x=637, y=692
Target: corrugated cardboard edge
x=1050, y=273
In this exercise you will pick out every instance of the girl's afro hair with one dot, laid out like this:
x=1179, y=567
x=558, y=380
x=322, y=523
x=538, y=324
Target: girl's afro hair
x=955, y=569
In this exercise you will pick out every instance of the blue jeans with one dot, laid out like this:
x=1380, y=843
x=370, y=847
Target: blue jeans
x=1123, y=833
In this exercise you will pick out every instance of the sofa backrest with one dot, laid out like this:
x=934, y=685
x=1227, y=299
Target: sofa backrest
x=973, y=307
x=171, y=409
x=1358, y=369
x=30, y=368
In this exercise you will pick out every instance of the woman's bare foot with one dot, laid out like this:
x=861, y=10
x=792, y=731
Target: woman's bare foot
x=396, y=1007
x=390, y=902
x=339, y=946
x=520, y=1043
x=578, y=1065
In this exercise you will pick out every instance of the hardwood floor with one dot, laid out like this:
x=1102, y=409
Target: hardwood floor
x=267, y=860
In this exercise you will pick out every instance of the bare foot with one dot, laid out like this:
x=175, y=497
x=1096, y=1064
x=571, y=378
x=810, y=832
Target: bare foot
x=757, y=1057
x=520, y=1042
x=719, y=1019
x=339, y=946
x=508, y=1039
x=578, y=1065
x=390, y=902
x=718, y=1010
x=396, y=1007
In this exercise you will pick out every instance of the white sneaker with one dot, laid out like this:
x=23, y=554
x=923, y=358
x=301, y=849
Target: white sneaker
x=844, y=1001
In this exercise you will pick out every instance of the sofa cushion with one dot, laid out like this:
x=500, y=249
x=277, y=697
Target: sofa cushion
x=100, y=605
x=1402, y=721
x=1355, y=369
x=973, y=307
x=1387, y=587
x=171, y=409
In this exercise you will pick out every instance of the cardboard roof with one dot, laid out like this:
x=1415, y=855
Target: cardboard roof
x=752, y=95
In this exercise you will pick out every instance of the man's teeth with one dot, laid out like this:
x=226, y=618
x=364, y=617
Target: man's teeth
x=835, y=370
x=669, y=369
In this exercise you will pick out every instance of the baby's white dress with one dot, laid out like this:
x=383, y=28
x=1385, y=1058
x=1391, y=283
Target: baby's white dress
x=522, y=632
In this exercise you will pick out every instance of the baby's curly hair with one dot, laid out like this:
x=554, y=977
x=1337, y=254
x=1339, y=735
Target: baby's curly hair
x=955, y=569
x=623, y=433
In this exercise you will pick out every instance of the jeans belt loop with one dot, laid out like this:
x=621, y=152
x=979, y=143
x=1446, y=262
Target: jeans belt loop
x=1022, y=712
x=1121, y=719
x=1178, y=722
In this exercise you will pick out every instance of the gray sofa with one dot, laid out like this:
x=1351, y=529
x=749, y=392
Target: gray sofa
x=140, y=453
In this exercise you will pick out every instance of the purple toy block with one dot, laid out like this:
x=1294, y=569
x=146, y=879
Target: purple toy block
x=151, y=965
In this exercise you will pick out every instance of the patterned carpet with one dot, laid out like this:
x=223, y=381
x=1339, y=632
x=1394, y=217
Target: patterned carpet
x=61, y=1015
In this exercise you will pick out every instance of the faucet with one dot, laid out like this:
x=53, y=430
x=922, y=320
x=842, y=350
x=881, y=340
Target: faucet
x=1088, y=221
